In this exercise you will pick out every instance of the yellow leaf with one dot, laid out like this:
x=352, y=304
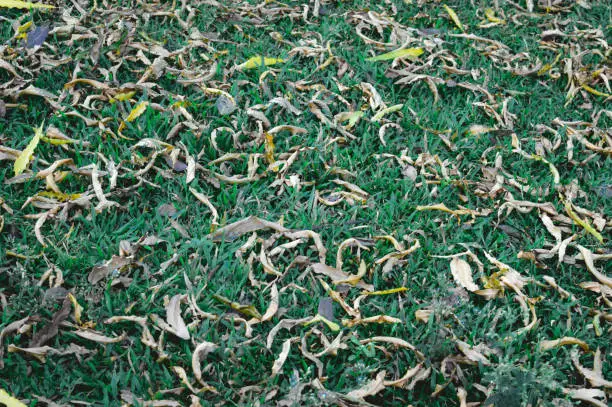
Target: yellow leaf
x=490, y=14
x=320, y=318
x=24, y=158
x=386, y=292
x=566, y=340
x=584, y=223
x=122, y=97
x=60, y=196
x=411, y=53
x=5, y=398
x=258, y=60
x=454, y=17
x=137, y=111
x=22, y=4
x=595, y=91
x=25, y=27
x=386, y=111
x=269, y=145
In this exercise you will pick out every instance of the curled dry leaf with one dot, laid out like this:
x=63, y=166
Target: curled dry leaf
x=200, y=352
x=174, y=318
x=566, y=340
x=244, y=226
x=340, y=277
x=371, y=388
x=99, y=337
x=274, y=301
x=282, y=357
x=8, y=400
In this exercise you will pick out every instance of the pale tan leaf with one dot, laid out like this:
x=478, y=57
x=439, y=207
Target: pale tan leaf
x=462, y=273
x=282, y=357
x=566, y=340
x=174, y=318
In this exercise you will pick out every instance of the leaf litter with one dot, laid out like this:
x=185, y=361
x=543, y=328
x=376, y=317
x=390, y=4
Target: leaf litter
x=289, y=140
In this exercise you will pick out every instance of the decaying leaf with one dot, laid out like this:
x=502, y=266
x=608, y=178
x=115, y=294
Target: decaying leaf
x=248, y=310
x=244, y=226
x=566, y=340
x=282, y=357
x=200, y=352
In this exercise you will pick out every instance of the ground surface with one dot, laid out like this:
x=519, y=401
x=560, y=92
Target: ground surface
x=426, y=225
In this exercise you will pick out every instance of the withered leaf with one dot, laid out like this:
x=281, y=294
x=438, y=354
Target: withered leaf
x=52, y=328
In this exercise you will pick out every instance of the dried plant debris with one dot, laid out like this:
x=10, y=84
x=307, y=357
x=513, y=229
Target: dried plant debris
x=305, y=203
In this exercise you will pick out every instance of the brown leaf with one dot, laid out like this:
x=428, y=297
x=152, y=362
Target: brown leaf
x=51, y=329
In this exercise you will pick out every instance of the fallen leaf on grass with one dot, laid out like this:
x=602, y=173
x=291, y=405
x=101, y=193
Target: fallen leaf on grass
x=24, y=158
x=371, y=388
x=472, y=354
x=273, y=307
x=340, y=277
x=258, y=61
x=8, y=400
x=595, y=376
x=203, y=349
x=23, y=4
x=10, y=328
x=248, y=310
x=244, y=226
x=42, y=352
x=567, y=340
x=462, y=273
x=595, y=397
x=587, y=256
x=282, y=357
x=98, y=337
x=52, y=328
x=454, y=17
x=410, y=53
x=174, y=318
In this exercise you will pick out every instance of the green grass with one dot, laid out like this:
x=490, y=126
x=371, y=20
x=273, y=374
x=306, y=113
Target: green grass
x=519, y=373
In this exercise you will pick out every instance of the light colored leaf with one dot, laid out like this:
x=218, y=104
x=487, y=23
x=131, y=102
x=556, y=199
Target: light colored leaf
x=383, y=112
x=566, y=340
x=203, y=349
x=273, y=307
x=462, y=273
x=24, y=158
x=282, y=357
x=23, y=4
x=454, y=17
x=174, y=318
x=371, y=388
x=7, y=399
x=98, y=337
x=137, y=111
x=244, y=226
x=258, y=61
x=411, y=53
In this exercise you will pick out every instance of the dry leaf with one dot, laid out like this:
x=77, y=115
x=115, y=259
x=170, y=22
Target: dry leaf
x=282, y=357
x=174, y=318
x=462, y=273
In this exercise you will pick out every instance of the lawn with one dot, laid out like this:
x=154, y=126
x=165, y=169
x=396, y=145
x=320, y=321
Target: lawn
x=266, y=203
